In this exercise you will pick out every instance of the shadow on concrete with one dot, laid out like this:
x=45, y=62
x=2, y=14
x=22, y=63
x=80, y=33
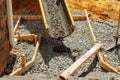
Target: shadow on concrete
x=90, y=68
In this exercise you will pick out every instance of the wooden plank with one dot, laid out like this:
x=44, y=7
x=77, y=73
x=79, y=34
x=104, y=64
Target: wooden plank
x=77, y=18
x=90, y=27
x=26, y=37
x=77, y=64
x=29, y=64
x=17, y=24
x=28, y=17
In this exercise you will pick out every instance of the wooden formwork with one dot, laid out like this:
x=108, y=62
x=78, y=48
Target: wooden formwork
x=23, y=67
x=42, y=17
x=28, y=17
x=102, y=59
x=74, y=66
x=29, y=64
x=39, y=17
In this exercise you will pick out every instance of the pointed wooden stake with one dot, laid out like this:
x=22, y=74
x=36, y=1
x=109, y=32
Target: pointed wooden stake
x=90, y=28
x=23, y=60
x=118, y=27
x=104, y=58
x=17, y=24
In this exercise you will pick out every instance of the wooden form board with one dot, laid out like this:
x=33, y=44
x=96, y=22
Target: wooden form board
x=39, y=17
x=79, y=18
x=25, y=37
x=28, y=17
x=77, y=64
x=29, y=64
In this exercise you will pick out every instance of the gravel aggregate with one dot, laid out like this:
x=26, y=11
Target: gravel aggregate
x=55, y=56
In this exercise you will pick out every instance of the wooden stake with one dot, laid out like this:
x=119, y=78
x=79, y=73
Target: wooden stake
x=36, y=38
x=90, y=28
x=104, y=58
x=23, y=60
x=118, y=27
x=75, y=66
x=17, y=24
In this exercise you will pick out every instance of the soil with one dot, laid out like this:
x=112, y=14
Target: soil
x=56, y=19
x=99, y=9
x=26, y=7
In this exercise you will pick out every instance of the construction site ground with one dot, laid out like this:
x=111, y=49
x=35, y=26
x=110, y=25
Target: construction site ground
x=55, y=56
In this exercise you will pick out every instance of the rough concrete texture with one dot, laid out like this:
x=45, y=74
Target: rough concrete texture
x=57, y=21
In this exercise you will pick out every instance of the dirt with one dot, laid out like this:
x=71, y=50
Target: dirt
x=26, y=7
x=56, y=19
x=99, y=9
